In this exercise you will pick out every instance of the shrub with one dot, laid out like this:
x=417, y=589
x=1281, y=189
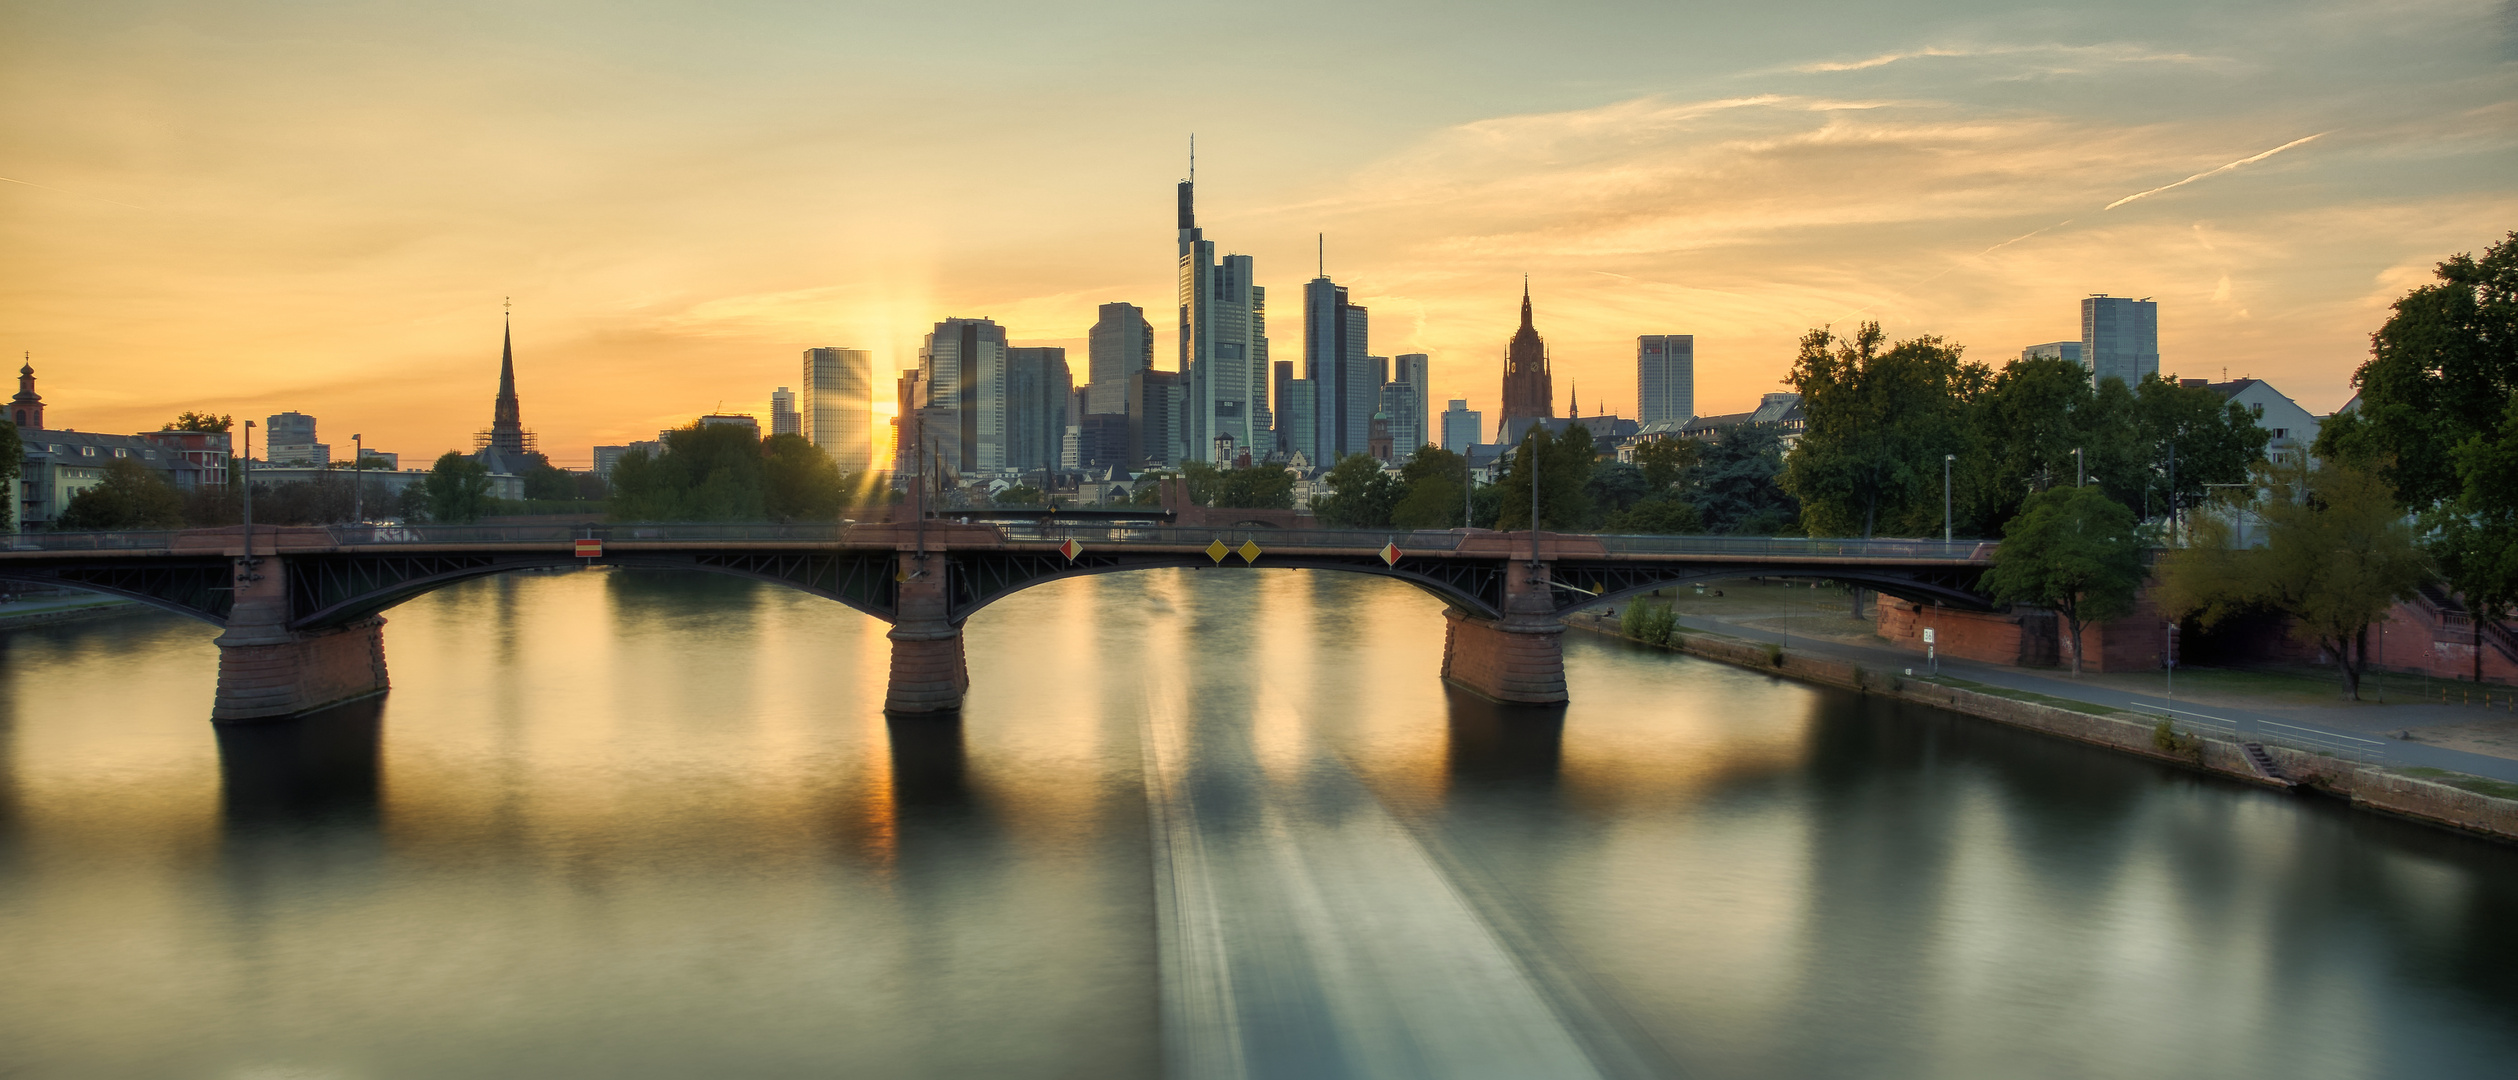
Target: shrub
x=1774, y=654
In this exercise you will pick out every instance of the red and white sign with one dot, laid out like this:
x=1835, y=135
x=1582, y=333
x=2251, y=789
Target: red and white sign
x=1389, y=554
x=589, y=548
x=1070, y=549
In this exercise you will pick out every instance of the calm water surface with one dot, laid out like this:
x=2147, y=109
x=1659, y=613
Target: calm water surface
x=619, y=825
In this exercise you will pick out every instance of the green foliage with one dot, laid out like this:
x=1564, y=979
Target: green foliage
x=12, y=458
x=1650, y=623
x=1664, y=461
x=1149, y=489
x=1433, y=479
x=1735, y=484
x=2438, y=374
x=1878, y=424
x=2072, y=549
x=1362, y=495
x=189, y=420
x=546, y=481
x=1614, y=486
x=1564, y=463
x=1774, y=654
x=131, y=496
x=2166, y=738
x=2476, y=537
x=799, y=482
x=1259, y=487
x=1660, y=515
x=1021, y=495
x=458, y=489
x=2338, y=554
x=1631, y=624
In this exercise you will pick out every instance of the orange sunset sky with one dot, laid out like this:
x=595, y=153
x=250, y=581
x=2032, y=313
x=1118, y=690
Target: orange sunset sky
x=253, y=207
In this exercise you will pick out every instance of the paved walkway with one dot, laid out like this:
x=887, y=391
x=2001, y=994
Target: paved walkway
x=40, y=607
x=2360, y=726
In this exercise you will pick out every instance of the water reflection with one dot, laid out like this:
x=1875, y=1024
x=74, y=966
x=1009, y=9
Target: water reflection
x=319, y=772
x=1494, y=745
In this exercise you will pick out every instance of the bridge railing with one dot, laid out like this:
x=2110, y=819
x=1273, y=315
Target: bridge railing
x=1091, y=533
x=125, y=540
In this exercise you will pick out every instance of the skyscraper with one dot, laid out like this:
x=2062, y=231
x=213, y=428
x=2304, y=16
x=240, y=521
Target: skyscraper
x=1461, y=426
x=782, y=413
x=1121, y=344
x=837, y=410
x=1406, y=401
x=2120, y=338
x=1158, y=405
x=2054, y=350
x=964, y=365
x=1529, y=389
x=1665, y=377
x=1223, y=338
x=1337, y=360
x=1280, y=384
x=1038, y=384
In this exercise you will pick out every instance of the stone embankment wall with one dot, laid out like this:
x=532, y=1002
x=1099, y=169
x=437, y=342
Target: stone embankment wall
x=2366, y=786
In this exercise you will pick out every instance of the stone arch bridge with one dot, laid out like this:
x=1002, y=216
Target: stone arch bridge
x=301, y=608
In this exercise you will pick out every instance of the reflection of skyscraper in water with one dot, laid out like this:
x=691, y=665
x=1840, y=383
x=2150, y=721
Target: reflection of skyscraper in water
x=2120, y=338
x=837, y=413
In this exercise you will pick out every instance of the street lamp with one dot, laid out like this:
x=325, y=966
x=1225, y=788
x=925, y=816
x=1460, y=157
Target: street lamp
x=2080, y=475
x=1946, y=459
x=358, y=494
x=246, y=471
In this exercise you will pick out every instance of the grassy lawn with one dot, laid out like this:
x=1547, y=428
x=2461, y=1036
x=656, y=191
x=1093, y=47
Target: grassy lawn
x=2498, y=789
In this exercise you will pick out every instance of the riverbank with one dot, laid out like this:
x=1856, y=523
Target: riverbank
x=2471, y=804
x=37, y=610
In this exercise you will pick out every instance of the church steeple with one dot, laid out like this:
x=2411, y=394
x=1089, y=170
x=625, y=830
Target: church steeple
x=507, y=433
x=1528, y=388
x=26, y=410
x=1525, y=306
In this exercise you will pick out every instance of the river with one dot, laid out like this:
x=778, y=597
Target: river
x=615, y=824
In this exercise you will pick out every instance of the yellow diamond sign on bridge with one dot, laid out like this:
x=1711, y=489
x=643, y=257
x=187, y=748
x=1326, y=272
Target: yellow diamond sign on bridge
x=1390, y=554
x=1249, y=551
x=1217, y=551
x=1070, y=549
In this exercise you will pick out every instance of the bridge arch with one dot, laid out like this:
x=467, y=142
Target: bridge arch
x=335, y=590
x=978, y=582
x=1918, y=587
x=198, y=588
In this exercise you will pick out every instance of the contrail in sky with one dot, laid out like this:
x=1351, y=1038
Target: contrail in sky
x=81, y=194
x=2216, y=172
x=2156, y=190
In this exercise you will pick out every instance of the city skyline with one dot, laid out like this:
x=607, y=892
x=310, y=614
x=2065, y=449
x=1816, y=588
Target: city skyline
x=1898, y=168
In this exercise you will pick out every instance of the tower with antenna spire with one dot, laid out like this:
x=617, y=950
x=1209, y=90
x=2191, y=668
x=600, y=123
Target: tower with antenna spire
x=1529, y=387
x=1223, y=337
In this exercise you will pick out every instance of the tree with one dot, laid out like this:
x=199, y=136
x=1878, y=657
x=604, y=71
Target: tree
x=458, y=489
x=1363, y=496
x=1259, y=487
x=2437, y=375
x=1021, y=495
x=1613, y=487
x=2213, y=441
x=131, y=496
x=1734, y=484
x=1663, y=515
x=799, y=482
x=2476, y=538
x=1564, y=464
x=708, y=472
x=544, y=480
x=2338, y=554
x=189, y=420
x=2072, y=549
x=12, y=457
x=1878, y=425
x=1435, y=479
x=1665, y=461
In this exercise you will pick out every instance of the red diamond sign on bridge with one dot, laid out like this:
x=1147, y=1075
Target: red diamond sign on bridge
x=1070, y=549
x=1389, y=554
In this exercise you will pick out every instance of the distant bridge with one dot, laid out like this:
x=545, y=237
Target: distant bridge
x=301, y=606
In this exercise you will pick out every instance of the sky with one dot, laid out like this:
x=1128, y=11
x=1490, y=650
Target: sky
x=249, y=207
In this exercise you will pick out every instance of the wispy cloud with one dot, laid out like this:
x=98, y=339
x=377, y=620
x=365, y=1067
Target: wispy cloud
x=2080, y=56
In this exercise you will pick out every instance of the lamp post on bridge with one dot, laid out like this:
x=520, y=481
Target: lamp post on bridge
x=1946, y=459
x=2080, y=471
x=358, y=493
x=245, y=471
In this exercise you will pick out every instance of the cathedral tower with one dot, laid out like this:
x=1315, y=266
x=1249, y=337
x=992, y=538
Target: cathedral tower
x=1528, y=389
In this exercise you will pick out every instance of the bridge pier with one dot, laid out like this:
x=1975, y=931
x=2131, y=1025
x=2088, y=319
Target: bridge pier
x=928, y=671
x=268, y=671
x=1519, y=658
